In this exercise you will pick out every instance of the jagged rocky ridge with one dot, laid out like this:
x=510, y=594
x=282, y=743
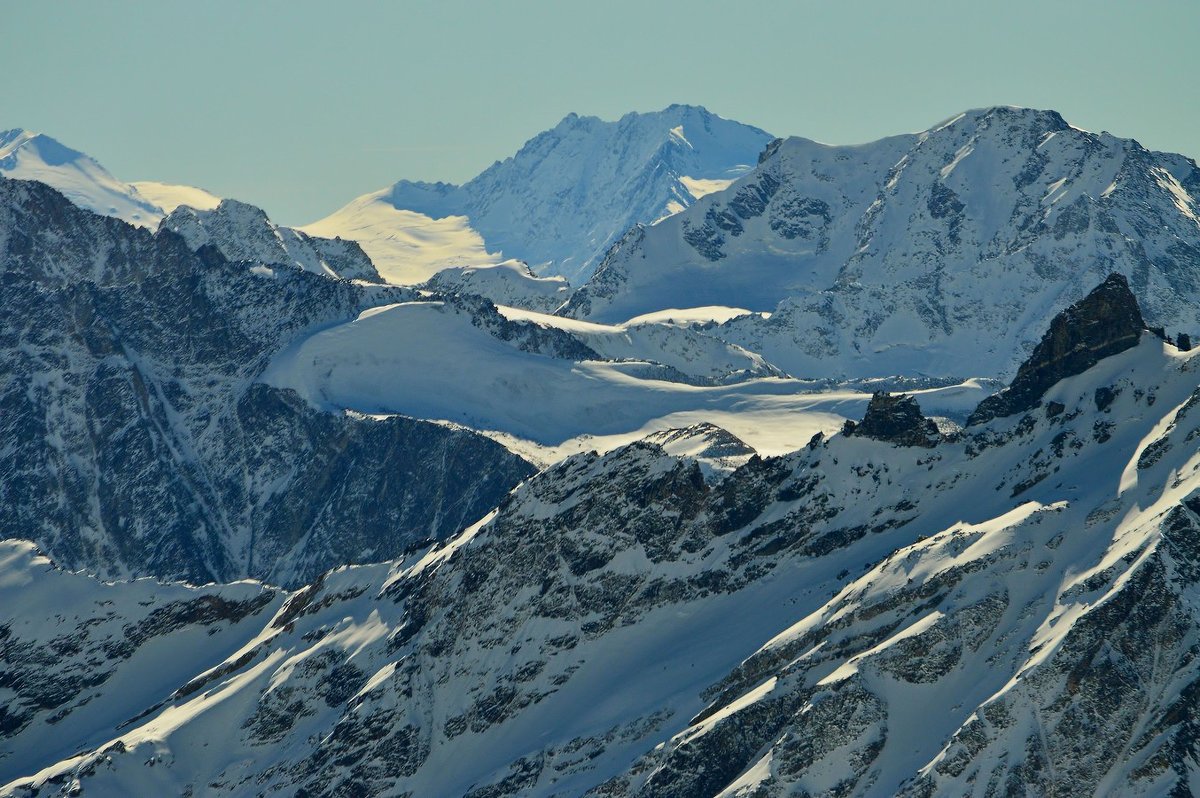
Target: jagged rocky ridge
x=895, y=419
x=1013, y=610
x=939, y=253
x=243, y=232
x=1105, y=322
x=136, y=442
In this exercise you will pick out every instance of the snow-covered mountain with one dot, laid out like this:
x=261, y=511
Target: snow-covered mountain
x=938, y=253
x=137, y=442
x=1011, y=610
x=560, y=385
x=168, y=196
x=510, y=283
x=615, y=551
x=406, y=247
x=25, y=155
x=560, y=202
x=243, y=232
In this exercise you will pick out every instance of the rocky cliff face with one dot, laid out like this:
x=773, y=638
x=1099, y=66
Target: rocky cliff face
x=136, y=443
x=620, y=626
x=243, y=232
x=944, y=253
x=895, y=419
x=1105, y=322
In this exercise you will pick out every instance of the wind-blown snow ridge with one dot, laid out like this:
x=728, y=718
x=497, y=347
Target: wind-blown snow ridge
x=168, y=197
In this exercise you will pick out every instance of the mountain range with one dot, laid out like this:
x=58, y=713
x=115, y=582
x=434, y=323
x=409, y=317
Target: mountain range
x=619, y=626
x=864, y=470
x=558, y=203
x=940, y=253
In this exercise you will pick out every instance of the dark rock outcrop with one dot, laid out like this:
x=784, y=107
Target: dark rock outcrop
x=895, y=419
x=1104, y=323
x=242, y=232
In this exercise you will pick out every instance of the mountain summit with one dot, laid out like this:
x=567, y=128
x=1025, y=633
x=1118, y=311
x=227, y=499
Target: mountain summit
x=940, y=253
x=1105, y=322
x=560, y=202
x=25, y=155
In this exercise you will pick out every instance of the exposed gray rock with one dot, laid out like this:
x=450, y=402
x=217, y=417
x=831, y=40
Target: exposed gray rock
x=1105, y=322
x=136, y=442
x=242, y=232
x=895, y=419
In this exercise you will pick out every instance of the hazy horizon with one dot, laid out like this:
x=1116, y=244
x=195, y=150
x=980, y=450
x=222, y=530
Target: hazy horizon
x=298, y=109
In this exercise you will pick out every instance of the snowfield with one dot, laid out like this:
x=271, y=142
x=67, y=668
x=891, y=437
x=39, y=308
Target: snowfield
x=169, y=197
x=406, y=247
x=429, y=360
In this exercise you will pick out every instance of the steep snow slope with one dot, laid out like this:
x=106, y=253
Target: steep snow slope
x=25, y=155
x=168, y=197
x=243, y=232
x=562, y=199
x=134, y=440
x=1011, y=610
x=406, y=247
x=942, y=253
x=79, y=654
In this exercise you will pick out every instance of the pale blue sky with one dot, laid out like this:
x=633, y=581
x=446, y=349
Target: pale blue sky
x=299, y=106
